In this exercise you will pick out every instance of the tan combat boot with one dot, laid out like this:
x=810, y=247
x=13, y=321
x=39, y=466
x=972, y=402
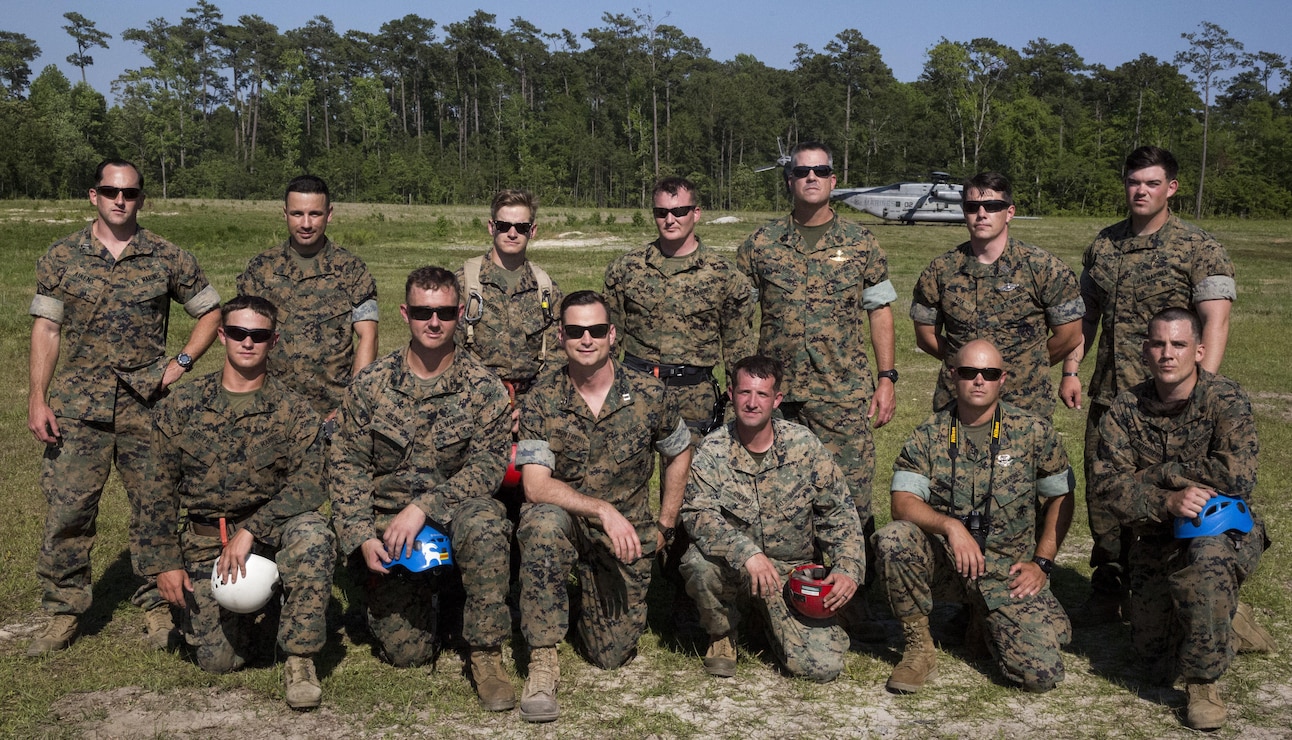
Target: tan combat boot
x=721, y=659
x=919, y=659
x=493, y=685
x=159, y=628
x=57, y=635
x=538, y=703
x=303, y=689
x=1206, y=709
x=1249, y=635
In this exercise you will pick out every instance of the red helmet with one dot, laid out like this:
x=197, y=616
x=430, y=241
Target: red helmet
x=806, y=590
x=512, y=477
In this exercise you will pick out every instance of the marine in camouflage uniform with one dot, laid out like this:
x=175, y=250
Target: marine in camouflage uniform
x=324, y=296
x=1127, y=277
x=104, y=319
x=789, y=504
x=1021, y=298
x=1024, y=482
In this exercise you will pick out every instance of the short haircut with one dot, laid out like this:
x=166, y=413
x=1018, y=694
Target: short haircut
x=583, y=298
x=1152, y=156
x=758, y=366
x=98, y=171
x=432, y=278
x=504, y=198
x=805, y=146
x=673, y=184
x=991, y=181
x=307, y=184
x=253, y=303
x=1175, y=313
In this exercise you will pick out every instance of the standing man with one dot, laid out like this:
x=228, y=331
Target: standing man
x=103, y=305
x=1133, y=269
x=588, y=437
x=765, y=497
x=982, y=499
x=1021, y=298
x=243, y=457
x=325, y=297
x=421, y=438
x=1166, y=448
x=816, y=276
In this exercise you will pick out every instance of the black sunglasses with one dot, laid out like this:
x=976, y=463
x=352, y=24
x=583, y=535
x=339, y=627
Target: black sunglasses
x=992, y=206
x=424, y=313
x=989, y=374
x=238, y=334
x=575, y=331
x=521, y=227
x=820, y=170
x=111, y=192
x=677, y=212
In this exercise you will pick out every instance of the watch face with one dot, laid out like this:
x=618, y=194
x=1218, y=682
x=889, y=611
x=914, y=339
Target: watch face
x=184, y=360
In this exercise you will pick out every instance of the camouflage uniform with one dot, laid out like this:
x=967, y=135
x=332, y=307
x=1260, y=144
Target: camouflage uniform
x=1127, y=279
x=113, y=316
x=1030, y=468
x=440, y=444
x=1012, y=303
x=814, y=308
x=795, y=502
x=1183, y=592
x=262, y=469
x=316, y=315
x=696, y=310
x=607, y=457
x=513, y=325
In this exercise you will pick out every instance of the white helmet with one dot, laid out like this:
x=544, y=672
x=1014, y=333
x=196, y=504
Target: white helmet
x=250, y=592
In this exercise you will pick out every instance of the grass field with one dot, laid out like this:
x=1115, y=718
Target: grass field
x=107, y=685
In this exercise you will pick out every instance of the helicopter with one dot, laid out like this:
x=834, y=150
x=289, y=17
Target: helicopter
x=909, y=202
x=781, y=161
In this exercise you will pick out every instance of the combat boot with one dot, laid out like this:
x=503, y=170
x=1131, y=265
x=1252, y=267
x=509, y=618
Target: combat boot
x=721, y=659
x=1250, y=636
x=1206, y=709
x=57, y=635
x=538, y=703
x=303, y=688
x=493, y=685
x=919, y=658
x=159, y=628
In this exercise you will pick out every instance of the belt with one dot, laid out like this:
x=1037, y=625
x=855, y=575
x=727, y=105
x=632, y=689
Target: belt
x=674, y=375
x=204, y=527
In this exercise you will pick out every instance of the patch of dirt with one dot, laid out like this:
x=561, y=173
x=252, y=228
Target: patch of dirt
x=1274, y=404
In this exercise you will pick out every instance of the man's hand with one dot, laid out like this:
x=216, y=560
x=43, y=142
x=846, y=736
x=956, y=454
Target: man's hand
x=173, y=585
x=42, y=422
x=403, y=530
x=233, y=559
x=1070, y=392
x=515, y=421
x=1029, y=579
x=883, y=403
x=173, y=373
x=970, y=562
x=842, y=593
x=375, y=555
x=764, y=581
x=1189, y=502
x=623, y=535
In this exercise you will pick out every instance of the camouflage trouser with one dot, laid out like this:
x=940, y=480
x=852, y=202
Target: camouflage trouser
x=72, y=477
x=813, y=649
x=305, y=551
x=1183, y=597
x=1025, y=634
x=612, y=610
x=695, y=402
x=1112, y=541
x=480, y=535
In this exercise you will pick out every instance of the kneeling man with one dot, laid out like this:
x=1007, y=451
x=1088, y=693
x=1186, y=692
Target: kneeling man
x=971, y=489
x=764, y=497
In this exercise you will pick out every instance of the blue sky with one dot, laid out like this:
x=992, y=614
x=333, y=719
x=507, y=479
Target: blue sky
x=1102, y=31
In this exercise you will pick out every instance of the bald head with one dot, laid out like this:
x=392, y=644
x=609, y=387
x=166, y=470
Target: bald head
x=978, y=375
x=980, y=353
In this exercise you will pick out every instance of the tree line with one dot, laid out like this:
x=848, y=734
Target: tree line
x=433, y=114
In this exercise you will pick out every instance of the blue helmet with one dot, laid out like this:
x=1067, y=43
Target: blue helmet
x=430, y=551
x=1221, y=514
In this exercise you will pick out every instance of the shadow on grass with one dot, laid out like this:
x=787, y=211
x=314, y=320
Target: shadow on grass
x=117, y=584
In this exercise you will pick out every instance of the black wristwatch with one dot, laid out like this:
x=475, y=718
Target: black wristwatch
x=184, y=360
x=668, y=532
x=890, y=374
x=1045, y=564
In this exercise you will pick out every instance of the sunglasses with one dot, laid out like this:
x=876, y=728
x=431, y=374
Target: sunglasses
x=966, y=372
x=820, y=170
x=991, y=206
x=598, y=331
x=239, y=334
x=111, y=192
x=677, y=212
x=521, y=227
x=443, y=313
